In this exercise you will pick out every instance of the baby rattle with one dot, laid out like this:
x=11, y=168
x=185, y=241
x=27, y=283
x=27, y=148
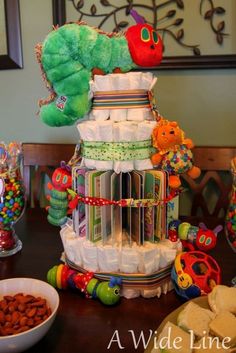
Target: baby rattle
x=58, y=198
x=195, y=273
x=62, y=276
x=193, y=237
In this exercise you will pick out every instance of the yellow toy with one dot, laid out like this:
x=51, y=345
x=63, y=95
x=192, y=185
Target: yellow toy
x=174, y=152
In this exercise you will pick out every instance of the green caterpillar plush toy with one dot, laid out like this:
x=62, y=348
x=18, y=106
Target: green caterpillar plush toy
x=63, y=277
x=73, y=53
x=58, y=198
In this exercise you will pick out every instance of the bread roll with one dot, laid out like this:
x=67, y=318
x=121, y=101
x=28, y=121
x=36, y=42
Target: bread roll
x=195, y=318
x=224, y=325
x=169, y=333
x=222, y=298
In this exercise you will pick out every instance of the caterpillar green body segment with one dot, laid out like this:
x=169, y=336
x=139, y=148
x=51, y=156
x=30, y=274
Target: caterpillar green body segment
x=67, y=57
x=57, y=212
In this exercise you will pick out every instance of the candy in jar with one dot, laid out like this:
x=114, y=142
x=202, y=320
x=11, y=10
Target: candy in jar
x=12, y=197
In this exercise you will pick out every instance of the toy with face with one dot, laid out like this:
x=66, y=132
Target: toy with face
x=70, y=56
x=62, y=277
x=107, y=292
x=61, y=179
x=174, y=152
x=206, y=239
x=168, y=136
x=193, y=237
x=195, y=273
x=145, y=45
x=58, y=198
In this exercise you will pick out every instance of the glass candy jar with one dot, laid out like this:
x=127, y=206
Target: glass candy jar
x=12, y=197
x=230, y=225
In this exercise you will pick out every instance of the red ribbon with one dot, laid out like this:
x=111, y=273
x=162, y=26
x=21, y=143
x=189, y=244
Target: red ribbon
x=81, y=281
x=98, y=201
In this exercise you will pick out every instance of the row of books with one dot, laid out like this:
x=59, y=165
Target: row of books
x=114, y=224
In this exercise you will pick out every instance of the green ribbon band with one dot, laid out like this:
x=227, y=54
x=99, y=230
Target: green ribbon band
x=117, y=151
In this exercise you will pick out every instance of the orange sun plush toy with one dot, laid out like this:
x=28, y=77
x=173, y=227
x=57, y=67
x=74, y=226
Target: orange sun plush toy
x=174, y=153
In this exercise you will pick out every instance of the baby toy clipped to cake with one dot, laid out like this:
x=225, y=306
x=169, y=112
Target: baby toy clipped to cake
x=174, y=153
x=71, y=54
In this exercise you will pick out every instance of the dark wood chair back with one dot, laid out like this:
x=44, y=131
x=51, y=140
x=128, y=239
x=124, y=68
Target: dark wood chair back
x=39, y=161
x=208, y=196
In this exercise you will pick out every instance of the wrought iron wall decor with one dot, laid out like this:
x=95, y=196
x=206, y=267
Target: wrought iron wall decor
x=13, y=58
x=170, y=24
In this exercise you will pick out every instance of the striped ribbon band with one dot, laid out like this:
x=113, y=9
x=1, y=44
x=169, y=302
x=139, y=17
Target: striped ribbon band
x=121, y=99
x=135, y=280
x=116, y=151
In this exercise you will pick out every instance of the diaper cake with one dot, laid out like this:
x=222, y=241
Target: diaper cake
x=120, y=199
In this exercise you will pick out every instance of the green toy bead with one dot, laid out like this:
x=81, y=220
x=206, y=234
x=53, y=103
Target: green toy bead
x=52, y=276
x=57, y=213
x=108, y=295
x=59, y=195
x=56, y=222
x=55, y=203
x=183, y=230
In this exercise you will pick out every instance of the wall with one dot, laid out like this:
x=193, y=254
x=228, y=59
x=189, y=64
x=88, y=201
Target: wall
x=203, y=101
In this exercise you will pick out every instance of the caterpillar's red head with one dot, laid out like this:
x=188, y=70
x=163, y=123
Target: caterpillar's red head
x=145, y=45
x=61, y=177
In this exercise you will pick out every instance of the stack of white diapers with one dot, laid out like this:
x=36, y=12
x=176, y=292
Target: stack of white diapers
x=122, y=82
x=119, y=125
x=96, y=257
x=109, y=131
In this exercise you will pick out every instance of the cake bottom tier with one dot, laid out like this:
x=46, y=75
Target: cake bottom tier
x=144, y=270
x=136, y=284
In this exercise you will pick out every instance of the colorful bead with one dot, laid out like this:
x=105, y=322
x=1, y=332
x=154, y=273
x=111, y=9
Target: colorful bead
x=58, y=278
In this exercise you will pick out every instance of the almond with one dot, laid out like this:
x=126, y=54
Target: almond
x=20, y=312
x=8, y=298
x=23, y=321
x=32, y=312
x=15, y=317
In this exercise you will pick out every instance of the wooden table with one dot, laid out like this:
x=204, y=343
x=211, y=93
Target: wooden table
x=85, y=325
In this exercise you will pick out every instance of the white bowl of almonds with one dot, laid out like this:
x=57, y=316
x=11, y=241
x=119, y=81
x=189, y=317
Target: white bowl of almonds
x=28, y=308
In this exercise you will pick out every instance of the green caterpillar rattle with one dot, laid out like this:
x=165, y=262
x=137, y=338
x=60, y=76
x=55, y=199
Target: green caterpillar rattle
x=58, y=198
x=71, y=54
x=62, y=277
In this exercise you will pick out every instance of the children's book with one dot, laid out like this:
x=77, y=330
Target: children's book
x=108, y=223
x=105, y=192
x=126, y=211
x=142, y=180
x=116, y=211
x=78, y=215
x=95, y=220
x=159, y=210
x=136, y=213
x=149, y=191
x=86, y=181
